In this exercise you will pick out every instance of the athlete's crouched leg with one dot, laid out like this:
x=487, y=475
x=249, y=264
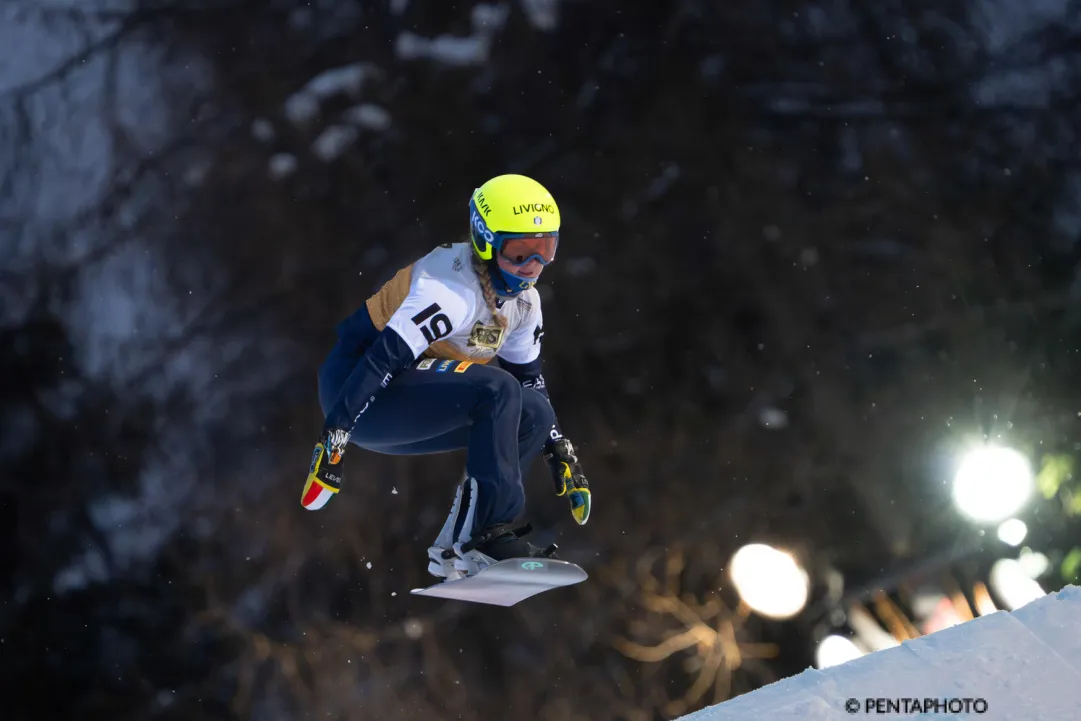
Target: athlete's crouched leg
x=534, y=427
x=333, y=373
x=494, y=445
x=497, y=391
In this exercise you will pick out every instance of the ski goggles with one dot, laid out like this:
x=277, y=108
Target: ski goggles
x=520, y=248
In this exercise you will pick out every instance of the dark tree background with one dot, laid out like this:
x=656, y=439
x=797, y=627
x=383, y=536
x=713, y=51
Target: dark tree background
x=810, y=250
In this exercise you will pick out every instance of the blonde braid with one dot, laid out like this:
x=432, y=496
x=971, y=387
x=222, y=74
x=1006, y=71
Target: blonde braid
x=487, y=290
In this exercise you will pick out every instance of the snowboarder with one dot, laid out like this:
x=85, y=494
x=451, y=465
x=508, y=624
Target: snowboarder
x=412, y=373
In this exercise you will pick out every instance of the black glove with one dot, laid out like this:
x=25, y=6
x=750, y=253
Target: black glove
x=326, y=472
x=568, y=478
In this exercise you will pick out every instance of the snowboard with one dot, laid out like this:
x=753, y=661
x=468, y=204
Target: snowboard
x=508, y=582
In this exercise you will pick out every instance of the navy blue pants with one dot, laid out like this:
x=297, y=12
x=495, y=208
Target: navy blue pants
x=483, y=409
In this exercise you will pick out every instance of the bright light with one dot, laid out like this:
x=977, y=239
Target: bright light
x=835, y=650
x=771, y=582
x=992, y=483
x=1012, y=584
x=1012, y=532
x=1033, y=563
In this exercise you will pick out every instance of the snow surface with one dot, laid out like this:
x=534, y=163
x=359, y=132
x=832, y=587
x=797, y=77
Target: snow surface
x=1024, y=665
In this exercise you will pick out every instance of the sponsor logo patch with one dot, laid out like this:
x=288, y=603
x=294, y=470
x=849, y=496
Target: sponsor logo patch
x=486, y=336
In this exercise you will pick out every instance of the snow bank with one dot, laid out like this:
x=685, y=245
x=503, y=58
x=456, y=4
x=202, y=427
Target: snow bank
x=1020, y=665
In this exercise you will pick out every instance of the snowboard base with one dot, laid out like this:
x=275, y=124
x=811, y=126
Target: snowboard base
x=508, y=582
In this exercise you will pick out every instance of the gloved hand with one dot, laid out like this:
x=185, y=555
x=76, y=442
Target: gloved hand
x=568, y=478
x=326, y=471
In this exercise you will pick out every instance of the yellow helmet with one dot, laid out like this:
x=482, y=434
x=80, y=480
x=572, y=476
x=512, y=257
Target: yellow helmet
x=516, y=217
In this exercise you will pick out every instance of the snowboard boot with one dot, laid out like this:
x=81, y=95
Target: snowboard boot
x=496, y=544
x=441, y=553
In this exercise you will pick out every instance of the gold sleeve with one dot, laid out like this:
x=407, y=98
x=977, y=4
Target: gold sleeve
x=382, y=305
